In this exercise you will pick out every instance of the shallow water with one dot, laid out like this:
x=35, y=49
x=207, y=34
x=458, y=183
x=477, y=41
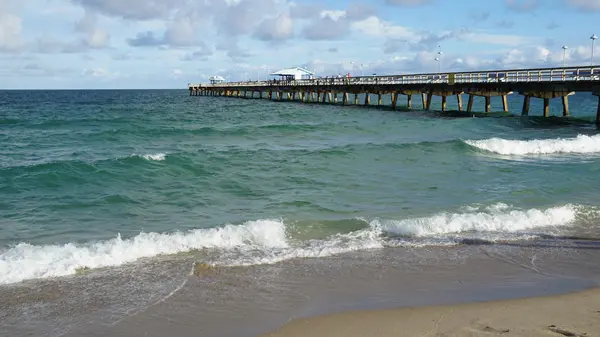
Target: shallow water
x=108, y=198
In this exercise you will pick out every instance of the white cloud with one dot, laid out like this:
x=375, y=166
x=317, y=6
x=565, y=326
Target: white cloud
x=93, y=36
x=162, y=42
x=276, y=29
x=10, y=30
x=408, y=2
x=585, y=4
x=100, y=73
x=375, y=27
x=333, y=15
x=499, y=39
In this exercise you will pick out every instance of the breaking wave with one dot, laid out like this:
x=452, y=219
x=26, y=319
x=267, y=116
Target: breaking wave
x=579, y=144
x=155, y=156
x=271, y=241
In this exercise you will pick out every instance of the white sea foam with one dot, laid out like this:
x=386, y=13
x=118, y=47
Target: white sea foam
x=579, y=144
x=26, y=261
x=495, y=218
x=264, y=241
x=155, y=156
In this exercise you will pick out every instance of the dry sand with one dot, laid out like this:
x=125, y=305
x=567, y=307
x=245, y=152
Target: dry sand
x=574, y=314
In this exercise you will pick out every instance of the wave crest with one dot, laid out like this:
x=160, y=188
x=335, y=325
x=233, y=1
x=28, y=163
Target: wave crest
x=495, y=218
x=154, y=156
x=269, y=241
x=579, y=144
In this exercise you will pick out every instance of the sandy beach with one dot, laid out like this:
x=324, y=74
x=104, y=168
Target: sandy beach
x=573, y=314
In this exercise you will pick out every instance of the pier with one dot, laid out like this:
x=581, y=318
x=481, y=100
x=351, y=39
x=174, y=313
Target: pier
x=542, y=83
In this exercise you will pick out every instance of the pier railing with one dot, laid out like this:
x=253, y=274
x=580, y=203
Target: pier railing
x=541, y=75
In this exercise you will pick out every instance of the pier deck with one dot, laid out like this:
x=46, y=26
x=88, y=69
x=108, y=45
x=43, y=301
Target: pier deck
x=543, y=83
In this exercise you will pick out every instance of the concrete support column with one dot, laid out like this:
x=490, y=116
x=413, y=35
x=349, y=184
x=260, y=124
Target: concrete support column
x=505, y=103
x=394, y=100
x=424, y=100
x=546, y=106
x=526, y=101
x=330, y=97
x=270, y=94
x=318, y=96
x=379, y=98
x=470, y=103
x=313, y=97
x=444, y=103
x=335, y=97
x=355, y=99
x=459, y=101
x=428, y=105
x=565, y=103
x=345, y=98
x=408, y=101
x=488, y=104
x=324, y=98
x=367, y=98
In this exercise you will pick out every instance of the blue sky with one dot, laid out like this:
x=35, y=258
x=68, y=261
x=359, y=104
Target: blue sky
x=169, y=43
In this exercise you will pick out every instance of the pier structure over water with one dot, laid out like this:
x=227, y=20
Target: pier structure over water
x=543, y=83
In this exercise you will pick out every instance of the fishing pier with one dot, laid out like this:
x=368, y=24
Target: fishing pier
x=543, y=83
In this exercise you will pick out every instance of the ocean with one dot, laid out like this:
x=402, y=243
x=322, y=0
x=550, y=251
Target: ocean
x=150, y=212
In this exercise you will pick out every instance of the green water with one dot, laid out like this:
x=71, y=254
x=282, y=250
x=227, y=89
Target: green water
x=81, y=168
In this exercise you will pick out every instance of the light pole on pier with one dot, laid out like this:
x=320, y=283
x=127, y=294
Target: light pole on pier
x=564, y=48
x=593, y=38
x=439, y=59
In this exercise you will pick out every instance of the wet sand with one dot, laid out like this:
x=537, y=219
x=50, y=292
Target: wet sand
x=160, y=297
x=253, y=301
x=575, y=314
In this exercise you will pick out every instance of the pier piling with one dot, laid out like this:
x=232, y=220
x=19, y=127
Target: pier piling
x=565, y=104
x=526, y=101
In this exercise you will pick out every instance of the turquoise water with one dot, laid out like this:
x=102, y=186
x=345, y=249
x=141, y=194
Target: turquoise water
x=105, y=178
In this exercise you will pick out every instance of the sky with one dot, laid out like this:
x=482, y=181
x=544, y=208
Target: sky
x=79, y=44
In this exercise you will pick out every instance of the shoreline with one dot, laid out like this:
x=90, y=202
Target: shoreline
x=570, y=314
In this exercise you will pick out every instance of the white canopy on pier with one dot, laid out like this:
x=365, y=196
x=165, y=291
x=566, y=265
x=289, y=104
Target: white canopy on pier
x=216, y=79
